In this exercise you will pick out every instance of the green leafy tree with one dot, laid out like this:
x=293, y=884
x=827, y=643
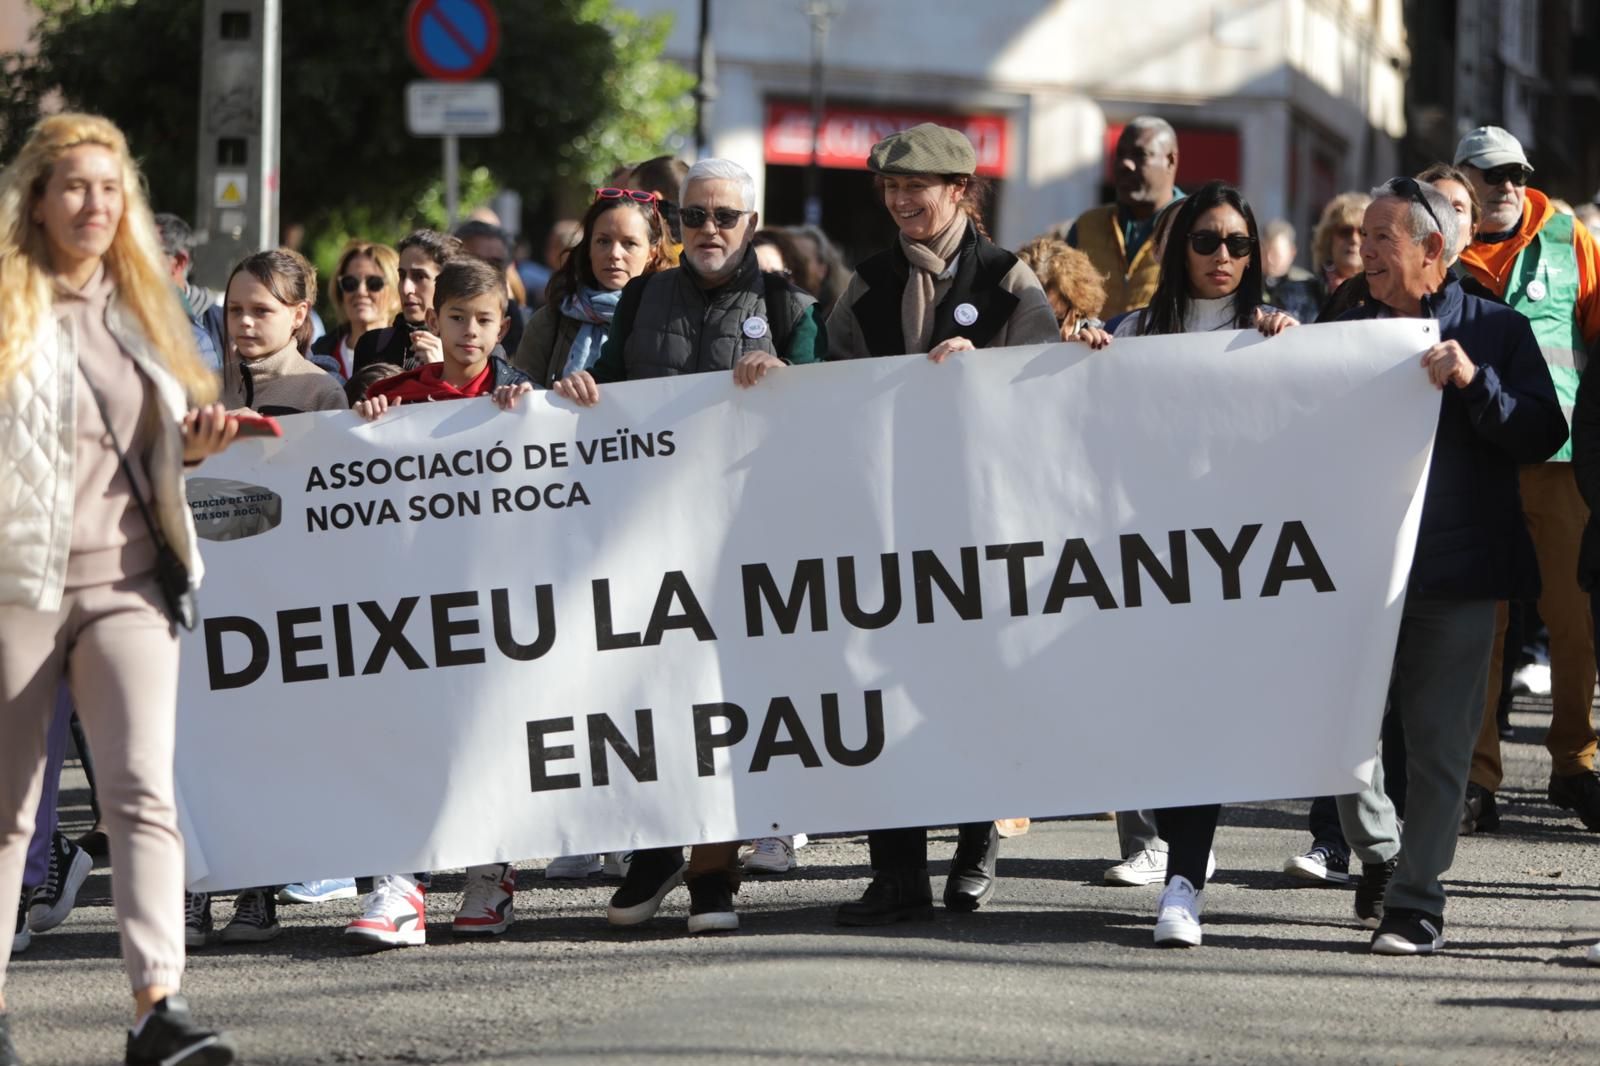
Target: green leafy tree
x=583, y=85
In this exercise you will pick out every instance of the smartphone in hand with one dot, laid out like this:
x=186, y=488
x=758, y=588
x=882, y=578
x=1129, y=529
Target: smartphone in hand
x=257, y=425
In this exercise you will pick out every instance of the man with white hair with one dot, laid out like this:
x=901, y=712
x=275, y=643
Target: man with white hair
x=716, y=311
x=1498, y=409
x=1547, y=267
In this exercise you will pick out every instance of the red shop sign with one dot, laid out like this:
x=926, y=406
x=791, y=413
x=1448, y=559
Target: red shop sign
x=848, y=134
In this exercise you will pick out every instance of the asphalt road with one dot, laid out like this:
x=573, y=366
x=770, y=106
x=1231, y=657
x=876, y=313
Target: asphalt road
x=1057, y=968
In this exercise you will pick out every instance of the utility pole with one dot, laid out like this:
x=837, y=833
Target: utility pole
x=705, y=87
x=819, y=12
x=236, y=176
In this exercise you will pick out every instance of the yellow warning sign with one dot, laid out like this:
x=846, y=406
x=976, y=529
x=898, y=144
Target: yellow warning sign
x=232, y=188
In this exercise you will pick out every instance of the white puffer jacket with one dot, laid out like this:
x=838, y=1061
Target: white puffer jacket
x=38, y=416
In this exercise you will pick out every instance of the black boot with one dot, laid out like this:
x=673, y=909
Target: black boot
x=970, y=882
x=902, y=894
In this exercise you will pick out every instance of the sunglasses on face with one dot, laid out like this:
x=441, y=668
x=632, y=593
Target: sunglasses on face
x=1515, y=173
x=1205, y=242
x=1411, y=189
x=350, y=283
x=695, y=217
x=1346, y=232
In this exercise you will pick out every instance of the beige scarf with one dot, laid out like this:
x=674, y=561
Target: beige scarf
x=931, y=262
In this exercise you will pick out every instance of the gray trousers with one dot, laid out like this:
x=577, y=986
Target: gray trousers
x=1136, y=832
x=1441, y=668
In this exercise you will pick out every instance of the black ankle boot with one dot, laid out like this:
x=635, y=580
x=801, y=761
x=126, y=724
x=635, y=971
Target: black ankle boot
x=904, y=895
x=971, y=879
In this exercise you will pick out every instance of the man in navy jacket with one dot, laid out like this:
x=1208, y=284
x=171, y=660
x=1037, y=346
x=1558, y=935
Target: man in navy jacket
x=1498, y=410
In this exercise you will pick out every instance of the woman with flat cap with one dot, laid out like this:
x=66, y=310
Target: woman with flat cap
x=941, y=287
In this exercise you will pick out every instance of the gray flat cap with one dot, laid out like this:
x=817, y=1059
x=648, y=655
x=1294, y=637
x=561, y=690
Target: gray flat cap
x=924, y=149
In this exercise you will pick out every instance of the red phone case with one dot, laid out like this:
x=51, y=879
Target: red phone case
x=258, y=426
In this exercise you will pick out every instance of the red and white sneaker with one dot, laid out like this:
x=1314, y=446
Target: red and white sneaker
x=486, y=903
x=396, y=914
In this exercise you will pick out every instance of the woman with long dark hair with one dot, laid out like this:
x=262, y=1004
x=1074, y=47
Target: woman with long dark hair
x=1210, y=280
x=624, y=236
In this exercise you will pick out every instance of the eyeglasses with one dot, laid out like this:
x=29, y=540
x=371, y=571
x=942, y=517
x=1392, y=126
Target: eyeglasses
x=1515, y=173
x=1206, y=242
x=350, y=283
x=643, y=197
x=725, y=217
x=1411, y=189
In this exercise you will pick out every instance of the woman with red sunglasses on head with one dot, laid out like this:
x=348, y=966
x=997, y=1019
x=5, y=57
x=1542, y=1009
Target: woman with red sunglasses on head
x=365, y=291
x=624, y=237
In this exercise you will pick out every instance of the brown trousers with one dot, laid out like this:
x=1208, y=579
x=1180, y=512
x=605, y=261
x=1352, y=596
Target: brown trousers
x=1556, y=516
x=118, y=652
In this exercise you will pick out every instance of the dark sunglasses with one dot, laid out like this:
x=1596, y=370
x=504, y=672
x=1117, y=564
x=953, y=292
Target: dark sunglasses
x=350, y=283
x=1205, y=242
x=651, y=198
x=695, y=217
x=1411, y=189
x=1515, y=173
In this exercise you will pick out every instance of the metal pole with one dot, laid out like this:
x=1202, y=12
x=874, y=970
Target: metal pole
x=271, y=122
x=705, y=88
x=452, y=179
x=819, y=12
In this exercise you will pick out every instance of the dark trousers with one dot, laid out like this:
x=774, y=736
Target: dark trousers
x=906, y=849
x=1189, y=832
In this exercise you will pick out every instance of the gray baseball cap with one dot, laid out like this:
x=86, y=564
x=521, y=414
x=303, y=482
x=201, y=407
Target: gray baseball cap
x=1488, y=147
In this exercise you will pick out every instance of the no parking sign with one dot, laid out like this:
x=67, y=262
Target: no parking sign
x=452, y=40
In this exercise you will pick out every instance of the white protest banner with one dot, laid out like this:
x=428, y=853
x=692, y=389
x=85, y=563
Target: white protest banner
x=1027, y=582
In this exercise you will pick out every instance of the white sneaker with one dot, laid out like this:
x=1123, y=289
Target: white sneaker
x=572, y=867
x=1533, y=679
x=1178, y=915
x=1594, y=954
x=396, y=914
x=617, y=863
x=486, y=903
x=325, y=891
x=771, y=855
x=1149, y=867
x=1144, y=867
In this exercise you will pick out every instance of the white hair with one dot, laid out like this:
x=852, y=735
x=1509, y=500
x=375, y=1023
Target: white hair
x=1422, y=223
x=721, y=170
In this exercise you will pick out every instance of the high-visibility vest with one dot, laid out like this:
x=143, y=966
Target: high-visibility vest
x=1543, y=285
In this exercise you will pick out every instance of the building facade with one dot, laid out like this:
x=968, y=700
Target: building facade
x=1531, y=66
x=1294, y=100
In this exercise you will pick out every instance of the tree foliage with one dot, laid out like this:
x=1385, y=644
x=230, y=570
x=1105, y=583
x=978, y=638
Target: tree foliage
x=583, y=87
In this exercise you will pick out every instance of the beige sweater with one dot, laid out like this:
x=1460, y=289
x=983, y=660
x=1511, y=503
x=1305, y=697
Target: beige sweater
x=110, y=540
x=286, y=382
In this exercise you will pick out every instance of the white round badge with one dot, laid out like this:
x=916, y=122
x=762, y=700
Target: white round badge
x=755, y=327
x=966, y=314
x=1536, y=290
